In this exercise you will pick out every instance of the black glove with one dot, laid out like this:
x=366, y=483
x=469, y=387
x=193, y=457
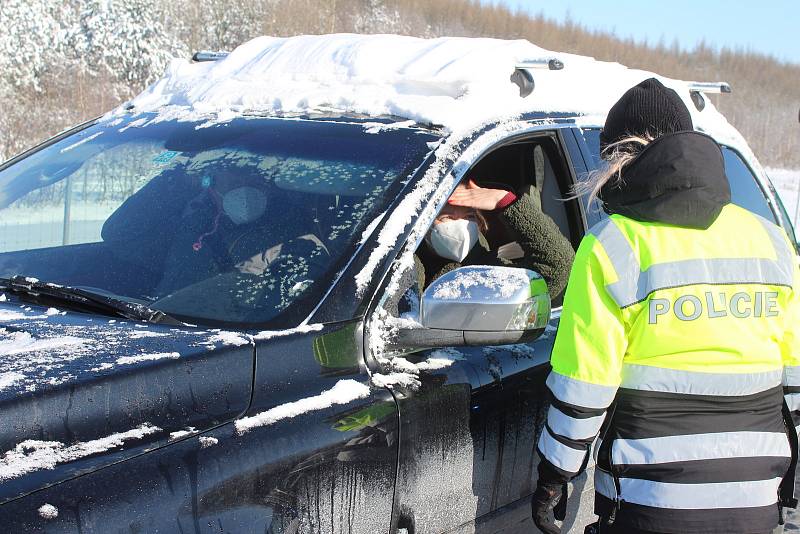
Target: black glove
x=547, y=498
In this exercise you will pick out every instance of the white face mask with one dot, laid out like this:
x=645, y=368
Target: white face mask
x=453, y=239
x=244, y=204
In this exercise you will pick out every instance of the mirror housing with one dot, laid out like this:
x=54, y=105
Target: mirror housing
x=480, y=305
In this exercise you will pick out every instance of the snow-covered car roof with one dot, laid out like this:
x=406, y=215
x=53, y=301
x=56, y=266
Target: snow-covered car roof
x=456, y=82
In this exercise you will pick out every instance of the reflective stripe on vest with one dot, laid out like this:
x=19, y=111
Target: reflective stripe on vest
x=651, y=378
x=580, y=393
x=604, y=484
x=572, y=427
x=793, y=401
x=634, y=285
x=746, y=494
x=699, y=447
x=791, y=375
x=560, y=455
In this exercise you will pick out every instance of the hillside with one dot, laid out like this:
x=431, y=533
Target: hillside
x=61, y=64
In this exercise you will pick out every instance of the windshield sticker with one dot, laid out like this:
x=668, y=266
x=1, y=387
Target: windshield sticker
x=165, y=157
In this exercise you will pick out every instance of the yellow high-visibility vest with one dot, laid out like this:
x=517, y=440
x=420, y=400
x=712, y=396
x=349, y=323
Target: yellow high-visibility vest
x=690, y=334
x=649, y=295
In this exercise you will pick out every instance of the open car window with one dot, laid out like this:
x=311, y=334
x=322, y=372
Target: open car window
x=241, y=223
x=533, y=168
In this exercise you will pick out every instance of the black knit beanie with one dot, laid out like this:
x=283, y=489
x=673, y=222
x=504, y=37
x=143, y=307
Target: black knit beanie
x=645, y=108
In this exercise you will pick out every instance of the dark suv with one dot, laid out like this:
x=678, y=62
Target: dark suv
x=194, y=334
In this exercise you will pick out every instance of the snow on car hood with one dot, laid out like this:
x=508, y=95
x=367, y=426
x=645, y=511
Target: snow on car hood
x=41, y=348
x=456, y=82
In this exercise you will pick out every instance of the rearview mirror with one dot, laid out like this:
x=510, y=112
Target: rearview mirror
x=480, y=305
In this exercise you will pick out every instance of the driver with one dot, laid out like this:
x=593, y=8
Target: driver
x=489, y=226
x=493, y=226
x=214, y=226
x=240, y=240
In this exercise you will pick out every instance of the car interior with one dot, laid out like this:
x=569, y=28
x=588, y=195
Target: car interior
x=534, y=163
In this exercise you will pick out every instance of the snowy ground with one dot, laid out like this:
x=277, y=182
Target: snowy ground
x=787, y=182
x=793, y=517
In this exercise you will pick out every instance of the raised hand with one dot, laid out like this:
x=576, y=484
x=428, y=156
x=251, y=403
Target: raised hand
x=471, y=195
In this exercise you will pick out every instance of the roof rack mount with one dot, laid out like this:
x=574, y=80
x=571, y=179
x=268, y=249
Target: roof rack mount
x=711, y=87
x=697, y=90
x=523, y=77
x=208, y=55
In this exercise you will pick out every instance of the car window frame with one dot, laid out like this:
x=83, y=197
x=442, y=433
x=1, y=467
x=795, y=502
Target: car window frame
x=48, y=142
x=569, y=146
x=767, y=197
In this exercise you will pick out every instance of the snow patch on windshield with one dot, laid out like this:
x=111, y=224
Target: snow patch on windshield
x=302, y=329
x=134, y=124
x=344, y=392
x=34, y=455
x=82, y=141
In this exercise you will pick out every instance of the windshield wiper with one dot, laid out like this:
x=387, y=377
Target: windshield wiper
x=83, y=299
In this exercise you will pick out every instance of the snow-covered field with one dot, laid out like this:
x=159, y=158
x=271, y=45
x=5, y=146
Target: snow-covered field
x=787, y=182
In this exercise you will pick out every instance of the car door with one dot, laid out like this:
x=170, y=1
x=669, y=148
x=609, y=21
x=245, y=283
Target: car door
x=516, y=397
x=470, y=416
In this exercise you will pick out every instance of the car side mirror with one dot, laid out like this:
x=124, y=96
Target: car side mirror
x=479, y=305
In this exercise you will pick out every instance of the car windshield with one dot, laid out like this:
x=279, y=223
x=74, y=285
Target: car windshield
x=239, y=223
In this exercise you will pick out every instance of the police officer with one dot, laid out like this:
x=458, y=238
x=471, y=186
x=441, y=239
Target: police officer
x=676, y=338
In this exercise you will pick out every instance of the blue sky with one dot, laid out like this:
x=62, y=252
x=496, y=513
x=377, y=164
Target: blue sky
x=766, y=26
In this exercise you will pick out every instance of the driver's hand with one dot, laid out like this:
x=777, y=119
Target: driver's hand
x=471, y=195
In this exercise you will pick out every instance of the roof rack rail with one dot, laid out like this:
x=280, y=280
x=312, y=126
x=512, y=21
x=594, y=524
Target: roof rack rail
x=523, y=77
x=711, y=87
x=207, y=55
x=550, y=63
x=698, y=89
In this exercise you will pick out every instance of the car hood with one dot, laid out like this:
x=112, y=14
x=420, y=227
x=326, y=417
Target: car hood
x=78, y=391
